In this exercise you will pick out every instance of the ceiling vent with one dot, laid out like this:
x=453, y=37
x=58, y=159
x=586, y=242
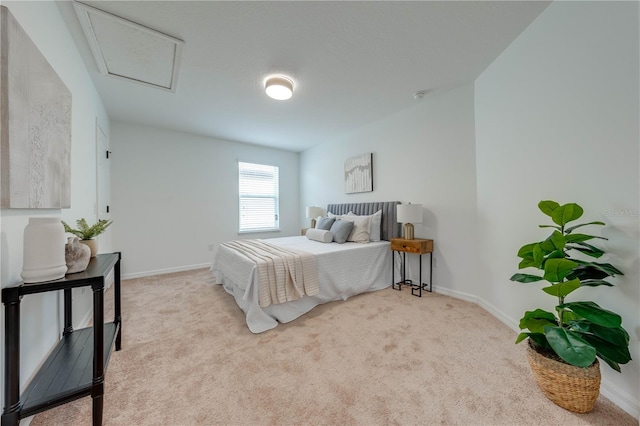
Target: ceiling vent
x=130, y=51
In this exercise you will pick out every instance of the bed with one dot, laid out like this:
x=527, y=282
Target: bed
x=343, y=270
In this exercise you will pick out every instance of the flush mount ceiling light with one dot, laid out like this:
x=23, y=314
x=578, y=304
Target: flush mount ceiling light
x=279, y=87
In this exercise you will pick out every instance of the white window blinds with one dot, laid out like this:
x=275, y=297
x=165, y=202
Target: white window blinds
x=259, y=202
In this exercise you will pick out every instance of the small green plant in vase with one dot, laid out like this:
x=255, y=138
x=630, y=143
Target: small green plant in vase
x=578, y=331
x=87, y=233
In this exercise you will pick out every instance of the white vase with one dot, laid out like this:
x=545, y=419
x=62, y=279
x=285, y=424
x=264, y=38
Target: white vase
x=43, y=254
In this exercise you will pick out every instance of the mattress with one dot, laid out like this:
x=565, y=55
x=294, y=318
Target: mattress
x=344, y=270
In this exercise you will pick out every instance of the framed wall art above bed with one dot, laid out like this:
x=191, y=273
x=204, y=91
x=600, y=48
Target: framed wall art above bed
x=358, y=174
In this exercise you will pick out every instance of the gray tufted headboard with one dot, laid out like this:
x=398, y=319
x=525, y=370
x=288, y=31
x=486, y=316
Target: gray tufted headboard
x=390, y=227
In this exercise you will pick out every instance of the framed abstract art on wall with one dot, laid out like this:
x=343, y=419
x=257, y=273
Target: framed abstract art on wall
x=358, y=174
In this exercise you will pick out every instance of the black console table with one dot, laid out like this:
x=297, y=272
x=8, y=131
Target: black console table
x=76, y=367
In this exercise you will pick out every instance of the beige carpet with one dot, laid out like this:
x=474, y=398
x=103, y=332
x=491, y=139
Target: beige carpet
x=383, y=358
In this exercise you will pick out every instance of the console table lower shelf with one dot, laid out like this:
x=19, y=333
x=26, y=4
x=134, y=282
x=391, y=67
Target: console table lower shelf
x=67, y=374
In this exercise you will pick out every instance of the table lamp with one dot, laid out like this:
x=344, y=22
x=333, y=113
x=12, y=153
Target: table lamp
x=312, y=213
x=409, y=214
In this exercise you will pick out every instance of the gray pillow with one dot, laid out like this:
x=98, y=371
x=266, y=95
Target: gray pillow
x=341, y=230
x=325, y=223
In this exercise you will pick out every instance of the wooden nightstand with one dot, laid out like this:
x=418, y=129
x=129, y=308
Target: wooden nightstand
x=303, y=231
x=417, y=246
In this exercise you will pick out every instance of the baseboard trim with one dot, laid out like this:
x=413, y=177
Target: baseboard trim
x=610, y=392
x=622, y=401
x=165, y=271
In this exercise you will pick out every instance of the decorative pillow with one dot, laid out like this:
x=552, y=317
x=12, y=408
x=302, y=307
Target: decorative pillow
x=360, y=231
x=321, y=235
x=325, y=223
x=375, y=233
x=336, y=216
x=341, y=230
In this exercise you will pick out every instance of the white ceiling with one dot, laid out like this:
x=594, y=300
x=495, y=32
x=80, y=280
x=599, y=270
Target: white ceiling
x=352, y=62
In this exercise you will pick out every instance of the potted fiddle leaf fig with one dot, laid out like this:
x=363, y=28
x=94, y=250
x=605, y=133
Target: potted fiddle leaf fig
x=570, y=338
x=87, y=233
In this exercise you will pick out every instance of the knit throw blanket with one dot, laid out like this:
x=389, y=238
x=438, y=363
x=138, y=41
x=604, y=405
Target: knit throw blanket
x=282, y=274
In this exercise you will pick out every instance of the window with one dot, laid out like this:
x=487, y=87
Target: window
x=259, y=199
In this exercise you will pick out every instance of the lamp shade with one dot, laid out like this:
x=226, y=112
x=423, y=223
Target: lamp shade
x=409, y=213
x=313, y=212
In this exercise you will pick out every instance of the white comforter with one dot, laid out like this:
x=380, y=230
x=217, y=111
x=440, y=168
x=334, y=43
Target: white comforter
x=344, y=270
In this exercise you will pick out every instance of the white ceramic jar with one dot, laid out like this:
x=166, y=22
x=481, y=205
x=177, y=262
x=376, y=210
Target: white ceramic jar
x=43, y=252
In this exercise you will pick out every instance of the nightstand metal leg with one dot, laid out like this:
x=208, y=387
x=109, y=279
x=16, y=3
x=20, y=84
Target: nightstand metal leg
x=430, y=272
x=420, y=285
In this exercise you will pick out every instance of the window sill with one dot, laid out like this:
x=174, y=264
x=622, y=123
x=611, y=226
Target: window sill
x=259, y=231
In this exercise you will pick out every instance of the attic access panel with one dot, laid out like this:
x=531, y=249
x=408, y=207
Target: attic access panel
x=127, y=50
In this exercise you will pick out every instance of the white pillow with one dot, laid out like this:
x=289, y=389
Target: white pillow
x=319, y=235
x=360, y=231
x=376, y=221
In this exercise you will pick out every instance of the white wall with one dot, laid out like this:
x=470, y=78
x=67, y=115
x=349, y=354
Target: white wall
x=174, y=194
x=41, y=314
x=554, y=117
x=423, y=155
x=557, y=118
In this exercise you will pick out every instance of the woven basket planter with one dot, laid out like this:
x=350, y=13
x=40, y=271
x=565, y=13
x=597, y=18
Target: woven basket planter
x=572, y=388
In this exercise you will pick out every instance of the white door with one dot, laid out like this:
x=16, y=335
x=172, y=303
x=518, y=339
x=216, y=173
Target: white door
x=103, y=190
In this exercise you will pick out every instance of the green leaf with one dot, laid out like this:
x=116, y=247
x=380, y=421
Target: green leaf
x=586, y=271
x=595, y=283
x=616, y=336
x=577, y=238
x=528, y=262
x=559, y=228
x=521, y=337
x=566, y=213
x=535, y=321
x=611, y=363
x=547, y=246
x=558, y=240
x=594, y=313
x=540, y=339
x=608, y=268
x=525, y=278
x=563, y=288
x=558, y=254
x=538, y=255
x=527, y=250
x=570, y=346
x=555, y=270
x=593, y=271
x=570, y=229
x=568, y=316
x=618, y=354
x=547, y=207
x=587, y=249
